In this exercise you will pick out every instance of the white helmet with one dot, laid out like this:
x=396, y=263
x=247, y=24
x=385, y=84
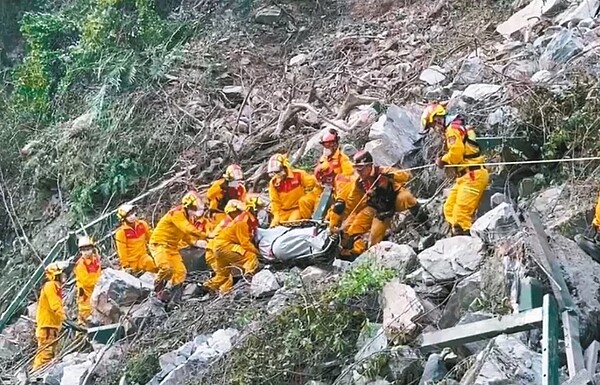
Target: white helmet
x=85, y=241
x=124, y=210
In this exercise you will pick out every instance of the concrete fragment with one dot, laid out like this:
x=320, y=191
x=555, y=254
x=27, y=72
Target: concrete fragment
x=264, y=283
x=401, y=308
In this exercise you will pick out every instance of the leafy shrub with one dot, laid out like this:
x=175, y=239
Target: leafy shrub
x=366, y=278
x=140, y=369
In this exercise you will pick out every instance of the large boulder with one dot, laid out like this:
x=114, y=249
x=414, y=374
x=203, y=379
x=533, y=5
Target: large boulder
x=451, y=258
x=401, y=258
x=508, y=361
x=394, y=135
x=402, y=309
x=586, y=9
x=115, y=291
x=563, y=46
x=529, y=16
x=463, y=294
x=500, y=222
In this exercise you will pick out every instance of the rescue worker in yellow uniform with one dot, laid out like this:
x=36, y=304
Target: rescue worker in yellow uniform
x=463, y=152
x=231, y=186
x=202, y=223
x=87, y=273
x=377, y=195
x=341, y=208
x=290, y=191
x=173, y=227
x=230, y=212
x=50, y=315
x=596, y=221
x=334, y=169
x=234, y=245
x=132, y=239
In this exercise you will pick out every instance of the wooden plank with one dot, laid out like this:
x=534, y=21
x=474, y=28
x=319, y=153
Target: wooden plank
x=591, y=356
x=475, y=331
x=550, y=335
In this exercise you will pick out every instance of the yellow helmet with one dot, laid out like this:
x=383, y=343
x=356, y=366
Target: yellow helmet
x=191, y=200
x=277, y=162
x=234, y=205
x=124, y=210
x=253, y=201
x=430, y=112
x=233, y=172
x=53, y=270
x=85, y=241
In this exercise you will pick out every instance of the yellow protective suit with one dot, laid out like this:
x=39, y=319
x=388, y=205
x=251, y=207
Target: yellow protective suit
x=172, y=228
x=234, y=248
x=596, y=221
x=49, y=318
x=292, y=198
x=336, y=170
x=375, y=202
x=211, y=261
x=219, y=193
x=132, y=246
x=203, y=224
x=465, y=195
x=87, y=273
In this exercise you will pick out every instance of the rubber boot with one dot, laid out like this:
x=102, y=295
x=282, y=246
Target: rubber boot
x=457, y=230
x=419, y=214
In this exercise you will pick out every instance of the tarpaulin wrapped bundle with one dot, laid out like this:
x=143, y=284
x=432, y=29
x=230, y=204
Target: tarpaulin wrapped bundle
x=284, y=244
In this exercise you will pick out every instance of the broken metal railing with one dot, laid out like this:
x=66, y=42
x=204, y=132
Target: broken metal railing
x=67, y=246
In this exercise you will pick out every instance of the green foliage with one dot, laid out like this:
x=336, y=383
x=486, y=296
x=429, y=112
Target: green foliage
x=366, y=278
x=293, y=348
x=140, y=369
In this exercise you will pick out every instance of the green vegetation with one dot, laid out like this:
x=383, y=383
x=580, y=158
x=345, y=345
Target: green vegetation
x=141, y=369
x=369, y=277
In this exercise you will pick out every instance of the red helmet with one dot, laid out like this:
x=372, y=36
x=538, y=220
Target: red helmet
x=330, y=138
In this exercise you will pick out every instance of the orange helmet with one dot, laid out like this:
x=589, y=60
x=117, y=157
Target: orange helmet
x=233, y=172
x=430, y=113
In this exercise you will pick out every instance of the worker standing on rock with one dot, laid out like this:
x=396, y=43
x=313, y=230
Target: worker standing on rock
x=231, y=186
x=87, y=273
x=132, y=239
x=377, y=195
x=230, y=213
x=290, y=191
x=173, y=227
x=234, y=245
x=464, y=154
x=49, y=316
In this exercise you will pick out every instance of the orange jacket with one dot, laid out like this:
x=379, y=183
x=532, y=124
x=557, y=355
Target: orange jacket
x=132, y=242
x=239, y=233
x=219, y=194
x=174, y=227
x=50, y=312
x=285, y=194
x=383, y=187
x=329, y=167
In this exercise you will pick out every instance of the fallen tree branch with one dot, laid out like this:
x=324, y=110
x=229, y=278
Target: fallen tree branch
x=353, y=100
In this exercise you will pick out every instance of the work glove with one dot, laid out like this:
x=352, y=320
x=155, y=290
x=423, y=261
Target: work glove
x=440, y=163
x=201, y=244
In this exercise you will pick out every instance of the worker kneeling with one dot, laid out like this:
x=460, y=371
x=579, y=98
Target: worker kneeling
x=173, y=227
x=87, y=273
x=233, y=246
x=50, y=315
x=290, y=191
x=465, y=157
x=132, y=239
x=377, y=195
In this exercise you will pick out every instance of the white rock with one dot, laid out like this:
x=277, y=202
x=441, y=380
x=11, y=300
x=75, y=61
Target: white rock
x=401, y=309
x=451, y=258
x=586, y=23
x=72, y=375
x=187, y=349
x=299, y=60
x=471, y=71
x=586, y=9
x=481, y=91
x=178, y=375
x=528, y=16
x=233, y=90
x=543, y=76
x=264, y=283
x=498, y=223
x=209, y=348
x=391, y=255
x=116, y=289
x=312, y=275
x=394, y=135
x=433, y=75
